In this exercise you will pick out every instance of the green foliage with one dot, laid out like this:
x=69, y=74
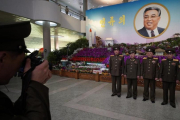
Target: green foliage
x=80, y=43
x=52, y=57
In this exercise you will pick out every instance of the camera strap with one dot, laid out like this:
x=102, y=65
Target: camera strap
x=20, y=104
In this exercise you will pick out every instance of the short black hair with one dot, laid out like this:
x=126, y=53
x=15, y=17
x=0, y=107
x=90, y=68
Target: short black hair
x=153, y=8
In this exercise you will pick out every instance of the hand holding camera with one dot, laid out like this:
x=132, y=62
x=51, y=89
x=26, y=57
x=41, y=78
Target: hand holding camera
x=41, y=73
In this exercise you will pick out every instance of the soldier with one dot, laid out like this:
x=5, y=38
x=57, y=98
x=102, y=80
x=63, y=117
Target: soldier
x=132, y=73
x=149, y=71
x=116, y=63
x=169, y=76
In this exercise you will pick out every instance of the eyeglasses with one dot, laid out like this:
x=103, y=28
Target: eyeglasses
x=152, y=17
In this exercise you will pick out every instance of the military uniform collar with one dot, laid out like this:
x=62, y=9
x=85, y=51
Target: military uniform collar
x=132, y=59
x=170, y=59
x=116, y=55
x=149, y=58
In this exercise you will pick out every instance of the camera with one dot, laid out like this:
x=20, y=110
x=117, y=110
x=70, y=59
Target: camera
x=35, y=61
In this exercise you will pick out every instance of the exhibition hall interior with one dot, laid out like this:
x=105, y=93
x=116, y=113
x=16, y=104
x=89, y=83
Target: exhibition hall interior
x=90, y=59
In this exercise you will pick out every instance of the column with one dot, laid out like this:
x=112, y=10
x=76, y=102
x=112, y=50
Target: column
x=85, y=4
x=56, y=42
x=46, y=39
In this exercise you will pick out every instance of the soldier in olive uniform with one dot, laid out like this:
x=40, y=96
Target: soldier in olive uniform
x=116, y=63
x=132, y=73
x=169, y=75
x=149, y=72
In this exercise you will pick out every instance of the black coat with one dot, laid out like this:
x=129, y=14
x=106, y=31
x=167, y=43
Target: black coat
x=169, y=71
x=150, y=68
x=37, y=104
x=116, y=65
x=132, y=68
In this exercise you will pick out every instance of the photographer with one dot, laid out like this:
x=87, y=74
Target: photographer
x=12, y=54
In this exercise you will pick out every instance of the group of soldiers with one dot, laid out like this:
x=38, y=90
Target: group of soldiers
x=150, y=70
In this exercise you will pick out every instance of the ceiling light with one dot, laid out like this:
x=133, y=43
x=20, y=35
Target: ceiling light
x=52, y=24
x=59, y=36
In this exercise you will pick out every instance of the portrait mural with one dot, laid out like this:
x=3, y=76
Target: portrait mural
x=152, y=20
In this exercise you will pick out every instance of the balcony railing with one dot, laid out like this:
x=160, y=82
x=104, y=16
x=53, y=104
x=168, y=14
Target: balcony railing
x=71, y=13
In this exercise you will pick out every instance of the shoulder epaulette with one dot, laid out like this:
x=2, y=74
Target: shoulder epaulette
x=179, y=66
x=155, y=58
x=175, y=60
x=163, y=59
x=145, y=58
x=121, y=55
x=112, y=55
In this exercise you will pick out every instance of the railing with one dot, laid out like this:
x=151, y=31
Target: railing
x=71, y=12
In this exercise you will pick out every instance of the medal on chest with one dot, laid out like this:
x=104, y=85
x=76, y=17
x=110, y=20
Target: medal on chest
x=173, y=64
x=153, y=62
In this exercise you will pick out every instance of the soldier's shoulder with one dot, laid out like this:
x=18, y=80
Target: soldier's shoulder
x=155, y=58
x=175, y=60
x=164, y=59
x=111, y=55
x=144, y=58
x=121, y=55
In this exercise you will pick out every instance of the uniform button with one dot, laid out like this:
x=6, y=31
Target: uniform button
x=168, y=73
x=131, y=65
x=169, y=69
x=116, y=59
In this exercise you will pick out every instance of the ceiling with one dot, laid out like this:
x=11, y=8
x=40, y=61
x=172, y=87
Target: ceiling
x=75, y=4
x=35, y=39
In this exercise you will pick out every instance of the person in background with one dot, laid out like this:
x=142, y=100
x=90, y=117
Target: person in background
x=67, y=10
x=132, y=73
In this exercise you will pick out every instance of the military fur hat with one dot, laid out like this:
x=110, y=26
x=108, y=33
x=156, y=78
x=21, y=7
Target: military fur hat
x=12, y=36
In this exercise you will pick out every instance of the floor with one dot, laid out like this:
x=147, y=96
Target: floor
x=77, y=99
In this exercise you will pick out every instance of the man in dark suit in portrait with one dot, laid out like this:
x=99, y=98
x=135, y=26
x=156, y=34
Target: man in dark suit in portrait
x=151, y=20
x=116, y=64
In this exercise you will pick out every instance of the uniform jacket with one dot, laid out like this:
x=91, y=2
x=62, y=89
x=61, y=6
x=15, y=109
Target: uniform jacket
x=116, y=65
x=132, y=68
x=37, y=104
x=169, y=70
x=150, y=68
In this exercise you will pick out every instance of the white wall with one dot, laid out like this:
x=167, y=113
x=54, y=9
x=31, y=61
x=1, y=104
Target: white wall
x=41, y=10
